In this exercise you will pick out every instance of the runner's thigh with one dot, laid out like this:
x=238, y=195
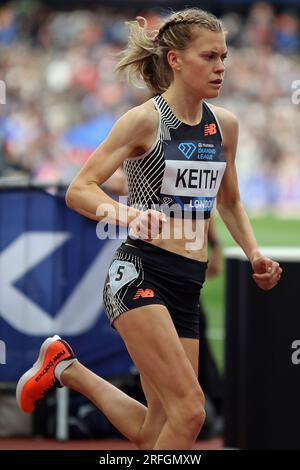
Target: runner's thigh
x=155, y=406
x=156, y=350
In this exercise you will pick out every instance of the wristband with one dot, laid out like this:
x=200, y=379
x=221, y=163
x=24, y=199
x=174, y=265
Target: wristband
x=213, y=243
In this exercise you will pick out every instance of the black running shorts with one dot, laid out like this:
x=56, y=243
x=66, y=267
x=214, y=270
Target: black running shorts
x=143, y=274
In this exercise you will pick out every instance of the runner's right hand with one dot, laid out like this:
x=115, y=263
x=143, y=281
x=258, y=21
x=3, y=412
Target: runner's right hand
x=147, y=225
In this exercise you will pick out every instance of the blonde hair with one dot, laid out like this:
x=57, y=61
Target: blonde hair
x=146, y=54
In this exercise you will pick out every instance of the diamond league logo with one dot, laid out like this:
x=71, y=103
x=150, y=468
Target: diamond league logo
x=187, y=148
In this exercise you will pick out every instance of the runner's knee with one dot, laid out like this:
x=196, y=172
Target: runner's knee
x=188, y=415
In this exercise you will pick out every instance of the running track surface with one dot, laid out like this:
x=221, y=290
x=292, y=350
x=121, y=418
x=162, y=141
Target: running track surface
x=101, y=444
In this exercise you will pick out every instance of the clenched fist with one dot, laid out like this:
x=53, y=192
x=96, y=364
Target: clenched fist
x=266, y=272
x=147, y=225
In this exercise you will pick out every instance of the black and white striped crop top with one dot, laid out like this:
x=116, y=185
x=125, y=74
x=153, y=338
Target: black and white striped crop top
x=182, y=170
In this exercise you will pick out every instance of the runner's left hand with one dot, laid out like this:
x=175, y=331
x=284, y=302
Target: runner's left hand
x=267, y=272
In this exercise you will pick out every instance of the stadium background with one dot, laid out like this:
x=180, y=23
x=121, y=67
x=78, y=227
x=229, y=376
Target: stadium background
x=57, y=61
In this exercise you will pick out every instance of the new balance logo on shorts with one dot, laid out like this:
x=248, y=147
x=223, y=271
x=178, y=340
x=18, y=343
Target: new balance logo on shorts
x=143, y=293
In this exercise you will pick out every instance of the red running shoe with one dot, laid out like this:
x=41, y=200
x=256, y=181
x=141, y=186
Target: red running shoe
x=37, y=381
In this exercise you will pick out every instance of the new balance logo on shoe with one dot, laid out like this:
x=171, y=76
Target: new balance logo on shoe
x=59, y=355
x=50, y=364
x=41, y=378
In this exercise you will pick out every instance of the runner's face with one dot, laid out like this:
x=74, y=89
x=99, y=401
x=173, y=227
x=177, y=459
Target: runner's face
x=201, y=64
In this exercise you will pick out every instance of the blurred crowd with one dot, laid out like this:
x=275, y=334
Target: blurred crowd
x=62, y=96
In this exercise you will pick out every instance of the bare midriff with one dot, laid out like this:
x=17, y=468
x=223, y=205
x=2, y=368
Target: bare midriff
x=184, y=237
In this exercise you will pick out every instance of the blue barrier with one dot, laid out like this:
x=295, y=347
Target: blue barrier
x=52, y=270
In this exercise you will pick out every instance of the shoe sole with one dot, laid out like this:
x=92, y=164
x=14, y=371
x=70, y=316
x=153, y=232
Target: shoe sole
x=35, y=368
